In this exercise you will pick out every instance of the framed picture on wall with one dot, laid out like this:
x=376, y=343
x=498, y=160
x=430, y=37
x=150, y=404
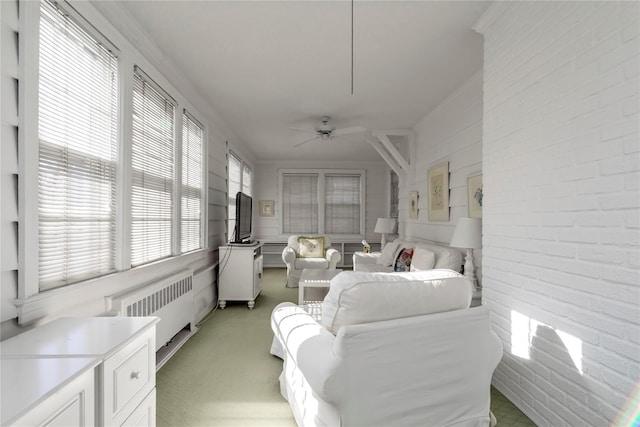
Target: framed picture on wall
x=413, y=204
x=267, y=207
x=474, y=192
x=438, y=190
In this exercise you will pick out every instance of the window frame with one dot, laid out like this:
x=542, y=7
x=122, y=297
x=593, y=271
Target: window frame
x=79, y=158
x=33, y=303
x=203, y=190
x=231, y=206
x=322, y=174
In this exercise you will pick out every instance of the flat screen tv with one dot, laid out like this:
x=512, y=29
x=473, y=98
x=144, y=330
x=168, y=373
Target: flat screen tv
x=244, y=208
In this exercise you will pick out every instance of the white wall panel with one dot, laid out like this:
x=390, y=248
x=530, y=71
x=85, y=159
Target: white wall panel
x=9, y=160
x=452, y=132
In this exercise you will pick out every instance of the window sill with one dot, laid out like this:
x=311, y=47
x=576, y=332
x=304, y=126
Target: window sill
x=87, y=298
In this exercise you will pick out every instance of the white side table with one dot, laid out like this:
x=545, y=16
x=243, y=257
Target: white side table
x=314, y=278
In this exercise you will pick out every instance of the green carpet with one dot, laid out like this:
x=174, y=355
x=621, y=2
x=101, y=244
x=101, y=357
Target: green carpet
x=225, y=376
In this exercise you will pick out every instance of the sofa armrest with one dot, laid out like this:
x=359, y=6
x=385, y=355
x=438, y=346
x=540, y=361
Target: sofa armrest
x=309, y=346
x=363, y=258
x=333, y=256
x=288, y=255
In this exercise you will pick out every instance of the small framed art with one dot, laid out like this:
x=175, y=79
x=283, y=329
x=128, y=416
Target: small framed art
x=267, y=207
x=475, y=195
x=413, y=204
x=438, y=183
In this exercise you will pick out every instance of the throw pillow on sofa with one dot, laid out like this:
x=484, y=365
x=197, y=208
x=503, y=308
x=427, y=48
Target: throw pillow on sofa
x=310, y=247
x=388, y=254
x=403, y=261
x=423, y=259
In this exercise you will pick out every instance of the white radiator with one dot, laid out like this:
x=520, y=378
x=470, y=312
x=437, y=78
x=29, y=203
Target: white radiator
x=170, y=299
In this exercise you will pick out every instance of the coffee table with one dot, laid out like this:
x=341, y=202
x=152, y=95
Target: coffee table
x=314, y=278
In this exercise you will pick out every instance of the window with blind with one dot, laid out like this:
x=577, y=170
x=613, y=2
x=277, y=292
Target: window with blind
x=322, y=201
x=192, y=187
x=78, y=151
x=342, y=204
x=394, y=194
x=300, y=203
x=152, y=170
x=240, y=178
x=247, y=179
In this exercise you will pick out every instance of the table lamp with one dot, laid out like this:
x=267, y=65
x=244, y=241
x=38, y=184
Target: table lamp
x=385, y=226
x=468, y=235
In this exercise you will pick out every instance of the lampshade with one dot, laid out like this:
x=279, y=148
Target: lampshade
x=385, y=225
x=468, y=234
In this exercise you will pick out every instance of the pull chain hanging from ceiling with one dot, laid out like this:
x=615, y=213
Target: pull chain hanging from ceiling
x=351, y=47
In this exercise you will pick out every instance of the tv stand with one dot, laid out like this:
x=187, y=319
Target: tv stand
x=240, y=277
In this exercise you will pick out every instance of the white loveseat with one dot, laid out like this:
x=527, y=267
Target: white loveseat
x=441, y=257
x=391, y=349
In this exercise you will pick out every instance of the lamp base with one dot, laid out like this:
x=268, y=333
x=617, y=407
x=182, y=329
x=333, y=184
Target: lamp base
x=383, y=241
x=470, y=270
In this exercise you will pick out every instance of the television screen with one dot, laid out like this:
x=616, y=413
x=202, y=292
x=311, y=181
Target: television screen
x=244, y=206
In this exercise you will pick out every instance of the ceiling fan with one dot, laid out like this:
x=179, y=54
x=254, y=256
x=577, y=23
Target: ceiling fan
x=326, y=132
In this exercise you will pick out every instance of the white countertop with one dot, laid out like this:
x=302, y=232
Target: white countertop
x=76, y=336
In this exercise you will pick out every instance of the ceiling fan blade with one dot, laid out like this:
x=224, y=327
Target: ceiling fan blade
x=303, y=130
x=349, y=130
x=304, y=142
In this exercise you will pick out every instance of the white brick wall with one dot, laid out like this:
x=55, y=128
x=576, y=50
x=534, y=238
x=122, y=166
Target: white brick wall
x=561, y=230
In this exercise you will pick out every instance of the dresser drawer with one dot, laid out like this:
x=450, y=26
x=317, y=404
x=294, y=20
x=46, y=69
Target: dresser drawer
x=145, y=414
x=129, y=376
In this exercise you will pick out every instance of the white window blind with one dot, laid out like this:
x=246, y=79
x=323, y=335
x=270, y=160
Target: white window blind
x=394, y=194
x=247, y=179
x=78, y=110
x=152, y=160
x=192, y=188
x=300, y=203
x=342, y=204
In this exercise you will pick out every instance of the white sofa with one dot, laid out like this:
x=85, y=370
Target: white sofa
x=391, y=349
x=296, y=263
x=445, y=257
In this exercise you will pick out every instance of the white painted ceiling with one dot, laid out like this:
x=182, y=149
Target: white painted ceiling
x=266, y=66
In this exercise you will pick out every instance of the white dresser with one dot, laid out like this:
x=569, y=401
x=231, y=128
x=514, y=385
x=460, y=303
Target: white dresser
x=81, y=371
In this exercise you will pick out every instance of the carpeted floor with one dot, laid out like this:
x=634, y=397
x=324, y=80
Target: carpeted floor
x=225, y=376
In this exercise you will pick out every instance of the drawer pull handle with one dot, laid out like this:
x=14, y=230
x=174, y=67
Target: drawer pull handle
x=135, y=374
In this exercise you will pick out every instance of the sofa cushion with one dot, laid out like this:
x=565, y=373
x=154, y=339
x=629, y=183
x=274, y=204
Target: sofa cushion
x=388, y=254
x=301, y=263
x=359, y=297
x=446, y=257
x=310, y=247
x=423, y=259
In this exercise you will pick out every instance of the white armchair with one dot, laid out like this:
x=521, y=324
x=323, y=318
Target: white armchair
x=297, y=255
x=390, y=349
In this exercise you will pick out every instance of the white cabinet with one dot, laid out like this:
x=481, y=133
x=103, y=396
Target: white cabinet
x=240, y=274
x=48, y=391
x=122, y=353
x=272, y=253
